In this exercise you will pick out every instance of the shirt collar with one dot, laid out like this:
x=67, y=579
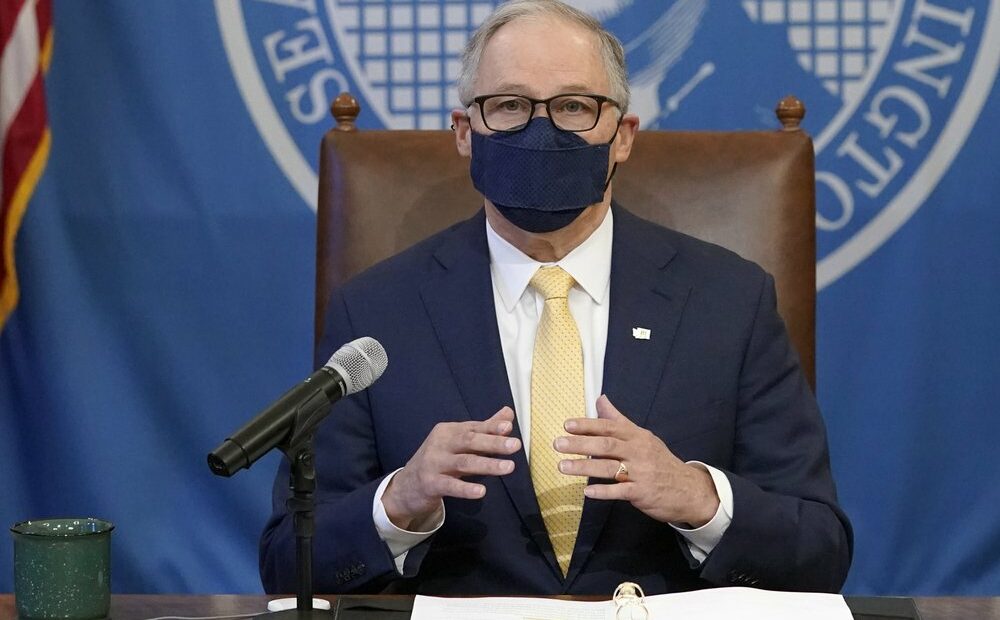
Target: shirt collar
x=589, y=263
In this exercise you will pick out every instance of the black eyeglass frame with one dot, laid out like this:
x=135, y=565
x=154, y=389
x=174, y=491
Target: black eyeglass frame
x=600, y=99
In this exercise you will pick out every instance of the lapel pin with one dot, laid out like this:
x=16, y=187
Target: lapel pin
x=641, y=333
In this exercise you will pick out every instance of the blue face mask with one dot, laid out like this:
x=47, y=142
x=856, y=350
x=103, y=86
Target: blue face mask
x=540, y=178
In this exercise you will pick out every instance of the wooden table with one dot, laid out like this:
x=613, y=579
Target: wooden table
x=143, y=606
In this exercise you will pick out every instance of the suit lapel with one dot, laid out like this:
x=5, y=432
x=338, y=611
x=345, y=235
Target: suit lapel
x=645, y=294
x=459, y=300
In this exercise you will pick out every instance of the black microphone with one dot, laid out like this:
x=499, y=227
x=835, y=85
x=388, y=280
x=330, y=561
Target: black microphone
x=354, y=367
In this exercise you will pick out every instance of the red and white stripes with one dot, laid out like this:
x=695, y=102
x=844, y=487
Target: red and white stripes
x=25, y=51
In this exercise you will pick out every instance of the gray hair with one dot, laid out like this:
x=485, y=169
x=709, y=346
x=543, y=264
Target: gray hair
x=611, y=49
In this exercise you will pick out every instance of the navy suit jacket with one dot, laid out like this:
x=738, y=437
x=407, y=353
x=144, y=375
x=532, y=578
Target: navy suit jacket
x=717, y=381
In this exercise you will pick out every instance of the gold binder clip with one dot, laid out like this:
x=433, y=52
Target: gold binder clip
x=630, y=603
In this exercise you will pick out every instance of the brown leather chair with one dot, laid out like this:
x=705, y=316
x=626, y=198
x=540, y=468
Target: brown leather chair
x=751, y=192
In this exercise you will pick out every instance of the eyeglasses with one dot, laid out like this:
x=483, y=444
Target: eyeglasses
x=569, y=112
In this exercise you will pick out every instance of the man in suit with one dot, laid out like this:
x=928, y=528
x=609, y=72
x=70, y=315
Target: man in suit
x=575, y=397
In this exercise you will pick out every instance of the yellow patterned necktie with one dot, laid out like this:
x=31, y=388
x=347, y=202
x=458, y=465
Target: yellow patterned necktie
x=556, y=395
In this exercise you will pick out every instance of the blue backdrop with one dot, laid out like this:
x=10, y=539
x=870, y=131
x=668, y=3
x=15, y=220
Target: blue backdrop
x=167, y=258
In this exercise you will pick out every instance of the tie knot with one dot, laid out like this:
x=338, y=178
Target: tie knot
x=552, y=282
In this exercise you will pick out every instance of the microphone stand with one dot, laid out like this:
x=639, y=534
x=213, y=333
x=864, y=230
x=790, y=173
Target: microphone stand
x=298, y=449
x=306, y=404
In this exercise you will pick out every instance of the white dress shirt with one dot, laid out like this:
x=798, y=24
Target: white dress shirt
x=519, y=309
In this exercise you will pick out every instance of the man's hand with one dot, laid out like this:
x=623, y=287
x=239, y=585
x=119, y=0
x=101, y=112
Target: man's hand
x=659, y=484
x=451, y=450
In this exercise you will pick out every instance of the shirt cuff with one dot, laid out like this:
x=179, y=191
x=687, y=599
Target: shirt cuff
x=703, y=539
x=398, y=540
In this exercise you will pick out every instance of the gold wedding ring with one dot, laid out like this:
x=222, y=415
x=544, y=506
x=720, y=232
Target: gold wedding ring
x=622, y=474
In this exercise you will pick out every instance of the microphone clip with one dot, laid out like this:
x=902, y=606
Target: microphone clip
x=308, y=415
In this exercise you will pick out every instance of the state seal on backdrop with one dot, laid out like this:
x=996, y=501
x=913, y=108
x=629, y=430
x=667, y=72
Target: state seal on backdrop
x=893, y=87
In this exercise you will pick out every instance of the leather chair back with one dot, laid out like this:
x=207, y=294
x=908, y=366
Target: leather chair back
x=751, y=192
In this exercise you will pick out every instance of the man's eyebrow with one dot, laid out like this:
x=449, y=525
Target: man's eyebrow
x=575, y=88
x=510, y=87
x=521, y=89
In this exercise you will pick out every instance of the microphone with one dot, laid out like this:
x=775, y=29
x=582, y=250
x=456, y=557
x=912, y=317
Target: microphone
x=354, y=367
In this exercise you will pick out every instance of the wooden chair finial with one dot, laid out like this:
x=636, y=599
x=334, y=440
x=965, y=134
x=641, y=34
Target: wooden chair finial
x=345, y=109
x=790, y=112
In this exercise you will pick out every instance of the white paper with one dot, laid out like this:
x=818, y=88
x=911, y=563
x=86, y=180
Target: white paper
x=504, y=608
x=748, y=604
x=711, y=604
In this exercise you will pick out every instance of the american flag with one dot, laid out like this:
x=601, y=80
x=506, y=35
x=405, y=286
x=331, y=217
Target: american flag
x=25, y=51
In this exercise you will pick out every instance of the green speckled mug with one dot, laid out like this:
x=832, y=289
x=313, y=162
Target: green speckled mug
x=62, y=568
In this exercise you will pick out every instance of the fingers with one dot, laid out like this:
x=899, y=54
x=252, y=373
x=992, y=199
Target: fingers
x=456, y=487
x=458, y=449
x=505, y=414
x=440, y=475
x=500, y=423
x=464, y=439
x=609, y=422
x=450, y=452
x=606, y=410
x=591, y=468
x=474, y=465
x=624, y=491
x=599, y=446
x=466, y=459
x=448, y=486
x=590, y=426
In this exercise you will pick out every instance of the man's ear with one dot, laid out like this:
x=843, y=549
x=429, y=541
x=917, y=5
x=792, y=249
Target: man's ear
x=463, y=132
x=621, y=148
